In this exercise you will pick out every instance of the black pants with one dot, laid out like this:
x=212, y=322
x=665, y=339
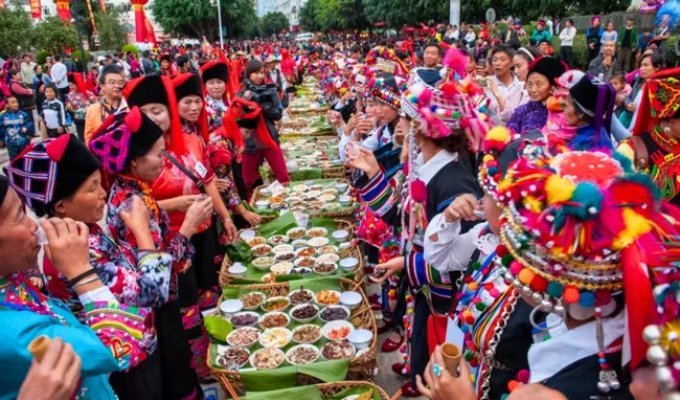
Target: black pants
x=141, y=382
x=567, y=55
x=63, y=93
x=80, y=129
x=625, y=59
x=420, y=354
x=592, y=53
x=53, y=133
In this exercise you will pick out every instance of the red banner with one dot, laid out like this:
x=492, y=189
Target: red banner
x=36, y=9
x=64, y=10
x=2, y=3
x=102, y=5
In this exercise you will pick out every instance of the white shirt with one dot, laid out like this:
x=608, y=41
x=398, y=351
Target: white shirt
x=446, y=249
x=59, y=73
x=567, y=36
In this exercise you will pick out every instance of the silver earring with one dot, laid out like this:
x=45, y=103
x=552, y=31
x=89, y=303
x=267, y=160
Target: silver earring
x=667, y=130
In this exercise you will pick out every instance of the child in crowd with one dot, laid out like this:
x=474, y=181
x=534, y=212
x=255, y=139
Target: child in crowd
x=623, y=89
x=53, y=113
x=15, y=128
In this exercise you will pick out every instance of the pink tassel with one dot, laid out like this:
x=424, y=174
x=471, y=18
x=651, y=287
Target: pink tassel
x=435, y=127
x=425, y=97
x=418, y=191
x=456, y=60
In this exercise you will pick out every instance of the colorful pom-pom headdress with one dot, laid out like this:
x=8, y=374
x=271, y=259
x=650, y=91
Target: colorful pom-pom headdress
x=387, y=89
x=578, y=231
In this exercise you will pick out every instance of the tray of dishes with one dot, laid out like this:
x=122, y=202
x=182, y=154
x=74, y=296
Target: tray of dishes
x=326, y=247
x=301, y=326
x=318, y=198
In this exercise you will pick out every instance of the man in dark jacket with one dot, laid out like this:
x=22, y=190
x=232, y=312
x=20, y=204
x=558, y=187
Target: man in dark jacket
x=627, y=41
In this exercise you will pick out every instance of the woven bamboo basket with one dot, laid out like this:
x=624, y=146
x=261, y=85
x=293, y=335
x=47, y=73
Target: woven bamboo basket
x=360, y=368
x=335, y=388
x=396, y=395
x=225, y=278
x=335, y=172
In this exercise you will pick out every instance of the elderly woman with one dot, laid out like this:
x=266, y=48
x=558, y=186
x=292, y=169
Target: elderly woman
x=114, y=339
x=539, y=84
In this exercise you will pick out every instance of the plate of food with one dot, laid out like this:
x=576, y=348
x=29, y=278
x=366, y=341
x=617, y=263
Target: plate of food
x=305, y=262
x=274, y=319
x=304, y=313
x=302, y=354
x=244, y=318
x=281, y=268
x=256, y=241
x=252, y=300
x=305, y=251
x=296, y=233
x=277, y=240
x=317, y=232
x=232, y=358
x=338, y=350
x=267, y=358
x=243, y=337
x=279, y=303
x=306, y=334
x=300, y=296
x=327, y=297
x=261, y=250
x=318, y=241
x=263, y=263
x=283, y=248
x=276, y=337
x=337, y=330
x=334, y=313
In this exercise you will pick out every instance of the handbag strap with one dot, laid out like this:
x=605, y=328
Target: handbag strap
x=185, y=171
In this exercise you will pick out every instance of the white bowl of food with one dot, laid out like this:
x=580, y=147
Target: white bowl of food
x=328, y=258
x=306, y=251
x=267, y=358
x=276, y=240
x=334, y=313
x=237, y=269
x=337, y=330
x=351, y=300
x=317, y=232
x=304, y=313
x=274, y=319
x=243, y=337
x=281, y=257
x=262, y=204
x=278, y=303
x=302, y=354
x=318, y=241
x=244, y=318
x=296, y=233
x=306, y=334
x=281, y=268
x=360, y=338
x=327, y=249
x=298, y=243
x=305, y=262
x=301, y=271
x=276, y=337
x=341, y=187
x=261, y=250
x=231, y=306
x=263, y=263
x=232, y=358
x=256, y=241
x=247, y=234
x=349, y=263
x=338, y=350
x=252, y=300
x=283, y=248
x=341, y=235
x=325, y=268
x=345, y=200
x=327, y=297
x=300, y=296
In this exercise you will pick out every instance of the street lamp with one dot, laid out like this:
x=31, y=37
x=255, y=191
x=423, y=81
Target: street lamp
x=219, y=20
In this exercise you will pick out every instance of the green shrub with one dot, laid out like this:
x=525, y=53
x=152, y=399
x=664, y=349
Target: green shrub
x=130, y=48
x=40, y=56
x=77, y=56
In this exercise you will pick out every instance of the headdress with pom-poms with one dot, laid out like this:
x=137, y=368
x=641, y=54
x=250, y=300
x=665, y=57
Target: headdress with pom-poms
x=578, y=231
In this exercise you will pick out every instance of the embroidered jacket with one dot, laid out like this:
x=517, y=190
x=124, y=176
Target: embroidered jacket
x=110, y=340
x=15, y=128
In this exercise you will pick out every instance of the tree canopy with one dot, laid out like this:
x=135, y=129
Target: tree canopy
x=112, y=33
x=196, y=18
x=54, y=35
x=15, y=31
x=273, y=23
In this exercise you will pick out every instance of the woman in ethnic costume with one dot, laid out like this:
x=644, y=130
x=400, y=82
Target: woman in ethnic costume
x=440, y=169
x=113, y=339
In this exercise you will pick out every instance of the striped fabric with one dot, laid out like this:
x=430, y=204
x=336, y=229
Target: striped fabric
x=35, y=176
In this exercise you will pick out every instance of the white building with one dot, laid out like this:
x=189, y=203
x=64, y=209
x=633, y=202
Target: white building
x=289, y=8
x=265, y=7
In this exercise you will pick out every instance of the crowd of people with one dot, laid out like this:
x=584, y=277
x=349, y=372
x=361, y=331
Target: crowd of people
x=521, y=210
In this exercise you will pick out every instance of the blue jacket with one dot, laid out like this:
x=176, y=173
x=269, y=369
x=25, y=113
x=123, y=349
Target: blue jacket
x=15, y=130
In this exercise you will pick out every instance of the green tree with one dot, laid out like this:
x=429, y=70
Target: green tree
x=112, y=33
x=396, y=13
x=273, y=23
x=54, y=35
x=340, y=14
x=308, y=20
x=196, y=18
x=15, y=31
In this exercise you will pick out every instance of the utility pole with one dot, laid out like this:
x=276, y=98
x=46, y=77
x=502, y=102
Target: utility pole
x=454, y=12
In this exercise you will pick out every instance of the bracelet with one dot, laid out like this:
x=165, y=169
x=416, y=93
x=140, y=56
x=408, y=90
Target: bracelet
x=85, y=282
x=80, y=277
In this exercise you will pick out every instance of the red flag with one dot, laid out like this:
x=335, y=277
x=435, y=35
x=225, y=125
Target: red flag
x=36, y=9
